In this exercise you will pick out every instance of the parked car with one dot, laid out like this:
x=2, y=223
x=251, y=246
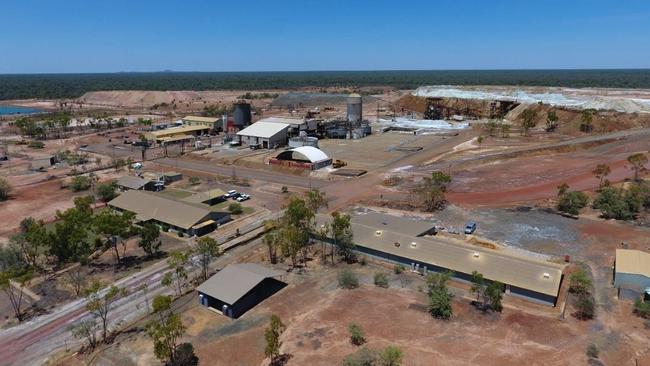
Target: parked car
x=243, y=197
x=470, y=227
x=230, y=193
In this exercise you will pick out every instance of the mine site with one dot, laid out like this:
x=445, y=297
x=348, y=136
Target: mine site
x=325, y=183
x=317, y=205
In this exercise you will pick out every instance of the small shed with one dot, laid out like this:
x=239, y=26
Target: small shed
x=238, y=288
x=170, y=177
x=42, y=163
x=631, y=273
x=129, y=182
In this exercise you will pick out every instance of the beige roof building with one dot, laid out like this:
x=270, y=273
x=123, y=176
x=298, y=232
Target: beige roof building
x=178, y=214
x=200, y=119
x=175, y=132
x=396, y=239
x=633, y=261
x=632, y=273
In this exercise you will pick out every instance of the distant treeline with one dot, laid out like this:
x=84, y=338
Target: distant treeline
x=52, y=86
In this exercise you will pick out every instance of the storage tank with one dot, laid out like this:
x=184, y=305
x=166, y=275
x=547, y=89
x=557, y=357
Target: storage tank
x=242, y=114
x=303, y=141
x=355, y=106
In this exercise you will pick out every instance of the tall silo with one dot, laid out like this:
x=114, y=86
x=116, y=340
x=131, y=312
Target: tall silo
x=355, y=106
x=242, y=114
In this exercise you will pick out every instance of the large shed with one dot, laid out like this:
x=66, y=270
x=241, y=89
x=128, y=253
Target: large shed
x=239, y=287
x=405, y=241
x=632, y=273
x=267, y=135
x=129, y=182
x=313, y=157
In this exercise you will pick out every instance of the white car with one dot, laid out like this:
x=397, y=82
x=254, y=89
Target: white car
x=230, y=193
x=243, y=197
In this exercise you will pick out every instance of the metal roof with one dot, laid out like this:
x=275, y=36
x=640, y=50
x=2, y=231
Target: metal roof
x=311, y=153
x=290, y=121
x=132, y=182
x=149, y=205
x=199, y=197
x=633, y=262
x=200, y=119
x=263, y=129
x=236, y=280
x=524, y=272
x=176, y=131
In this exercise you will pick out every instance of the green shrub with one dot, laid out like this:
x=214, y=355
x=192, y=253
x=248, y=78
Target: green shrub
x=356, y=334
x=348, y=279
x=381, y=280
x=180, y=234
x=399, y=268
x=642, y=308
x=80, y=183
x=235, y=208
x=592, y=351
x=363, y=261
x=195, y=180
x=165, y=228
x=36, y=144
x=572, y=202
x=285, y=189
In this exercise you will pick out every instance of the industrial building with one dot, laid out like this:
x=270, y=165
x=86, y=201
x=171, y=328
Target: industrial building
x=264, y=134
x=239, y=287
x=129, y=182
x=306, y=157
x=174, y=134
x=185, y=217
x=210, y=122
x=632, y=273
x=404, y=241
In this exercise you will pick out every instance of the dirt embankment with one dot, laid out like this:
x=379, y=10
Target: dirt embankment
x=569, y=119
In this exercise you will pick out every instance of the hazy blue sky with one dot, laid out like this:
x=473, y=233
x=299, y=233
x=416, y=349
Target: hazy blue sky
x=143, y=35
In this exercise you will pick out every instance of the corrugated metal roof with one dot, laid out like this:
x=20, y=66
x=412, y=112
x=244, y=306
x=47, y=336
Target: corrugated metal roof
x=132, y=182
x=175, y=131
x=235, y=281
x=163, y=209
x=199, y=197
x=539, y=276
x=263, y=129
x=633, y=262
x=287, y=120
x=200, y=119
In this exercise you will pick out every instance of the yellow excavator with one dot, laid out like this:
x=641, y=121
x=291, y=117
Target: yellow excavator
x=339, y=164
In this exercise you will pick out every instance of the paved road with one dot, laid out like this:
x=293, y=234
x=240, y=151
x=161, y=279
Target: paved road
x=32, y=342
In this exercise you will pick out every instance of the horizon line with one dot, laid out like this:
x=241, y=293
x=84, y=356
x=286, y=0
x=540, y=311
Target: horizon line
x=318, y=71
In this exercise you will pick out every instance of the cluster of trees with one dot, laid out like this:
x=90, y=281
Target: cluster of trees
x=431, y=192
x=621, y=203
x=76, y=234
x=53, y=86
x=289, y=236
x=581, y=285
x=263, y=95
x=217, y=110
x=43, y=126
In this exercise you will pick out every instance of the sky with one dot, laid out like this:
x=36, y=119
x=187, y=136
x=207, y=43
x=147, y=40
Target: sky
x=77, y=36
